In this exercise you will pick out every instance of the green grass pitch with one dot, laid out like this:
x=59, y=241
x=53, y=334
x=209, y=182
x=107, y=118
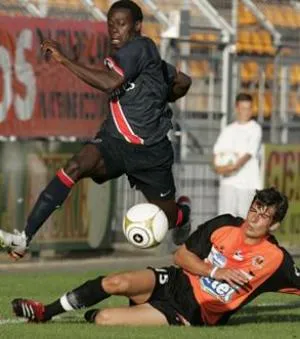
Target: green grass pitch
x=270, y=316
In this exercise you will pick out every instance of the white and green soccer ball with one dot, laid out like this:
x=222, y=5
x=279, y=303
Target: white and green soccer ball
x=145, y=225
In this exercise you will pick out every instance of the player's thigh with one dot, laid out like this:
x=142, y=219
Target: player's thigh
x=85, y=163
x=144, y=314
x=137, y=285
x=100, y=159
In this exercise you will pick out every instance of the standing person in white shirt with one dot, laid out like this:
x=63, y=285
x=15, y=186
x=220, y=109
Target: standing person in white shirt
x=236, y=160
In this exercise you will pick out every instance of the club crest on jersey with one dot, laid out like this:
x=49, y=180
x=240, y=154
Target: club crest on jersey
x=216, y=258
x=258, y=261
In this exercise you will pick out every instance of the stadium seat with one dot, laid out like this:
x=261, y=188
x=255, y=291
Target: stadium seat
x=152, y=30
x=167, y=6
x=267, y=104
x=269, y=72
x=294, y=103
x=249, y=72
x=198, y=68
x=267, y=43
x=68, y=5
x=244, y=44
x=295, y=75
x=103, y=5
x=245, y=17
x=205, y=37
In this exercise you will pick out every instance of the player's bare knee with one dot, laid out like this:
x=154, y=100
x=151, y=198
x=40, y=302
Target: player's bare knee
x=116, y=284
x=104, y=317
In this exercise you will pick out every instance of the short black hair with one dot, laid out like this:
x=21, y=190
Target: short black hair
x=272, y=197
x=135, y=9
x=243, y=97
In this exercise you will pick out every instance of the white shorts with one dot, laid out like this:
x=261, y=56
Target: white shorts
x=234, y=200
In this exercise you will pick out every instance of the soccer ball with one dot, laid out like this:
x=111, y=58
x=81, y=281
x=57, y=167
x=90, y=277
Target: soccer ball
x=145, y=225
x=226, y=158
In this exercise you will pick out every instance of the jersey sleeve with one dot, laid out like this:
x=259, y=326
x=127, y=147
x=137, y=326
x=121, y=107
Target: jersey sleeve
x=254, y=141
x=169, y=72
x=199, y=241
x=130, y=60
x=290, y=275
x=220, y=142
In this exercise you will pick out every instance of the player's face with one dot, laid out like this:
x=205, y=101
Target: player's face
x=121, y=27
x=244, y=111
x=259, y=220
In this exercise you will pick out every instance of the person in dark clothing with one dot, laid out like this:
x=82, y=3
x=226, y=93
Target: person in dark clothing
x=133, y=139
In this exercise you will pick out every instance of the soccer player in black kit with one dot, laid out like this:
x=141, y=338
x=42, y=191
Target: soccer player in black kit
x=133, y=139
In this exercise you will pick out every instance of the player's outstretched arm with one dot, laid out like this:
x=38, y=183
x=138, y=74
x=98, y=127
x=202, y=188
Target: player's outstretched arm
x=191, y=263
x=102, y=79
x=182, y=83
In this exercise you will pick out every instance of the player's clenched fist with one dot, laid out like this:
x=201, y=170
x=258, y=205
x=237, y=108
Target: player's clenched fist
x=51, y=48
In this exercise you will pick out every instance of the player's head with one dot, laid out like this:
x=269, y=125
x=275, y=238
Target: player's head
x=124, y=20
x=267, y=210
x=243, y=105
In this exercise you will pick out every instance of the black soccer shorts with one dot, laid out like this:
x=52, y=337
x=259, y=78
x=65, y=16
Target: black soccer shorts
x=148, y=167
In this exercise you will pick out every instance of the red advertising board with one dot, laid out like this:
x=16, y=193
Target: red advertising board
x=40, y=98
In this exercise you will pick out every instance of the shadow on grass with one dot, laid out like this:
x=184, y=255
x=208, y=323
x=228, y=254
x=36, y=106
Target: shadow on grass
x=256, y=314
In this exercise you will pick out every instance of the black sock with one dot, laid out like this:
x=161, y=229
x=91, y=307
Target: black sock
x=86, y=295
x=186, y=211
x=183, y=216
x=49, y=200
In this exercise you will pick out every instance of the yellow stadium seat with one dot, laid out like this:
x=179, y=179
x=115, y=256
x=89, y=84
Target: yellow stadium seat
x=103, y=5
x=267, y=43
x=205, y=37
x=152, y=30
x=294, y=103
x=198, y=68
x=244, y=44
x=295, y=75
x=249, y=72
x=72, y=5
x=267, y=104
x=269, y=72
x=245, y=17
x=255, y=104
x=257, y=43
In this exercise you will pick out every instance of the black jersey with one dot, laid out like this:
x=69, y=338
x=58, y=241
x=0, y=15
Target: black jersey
x=139, y=112
x=268, y=267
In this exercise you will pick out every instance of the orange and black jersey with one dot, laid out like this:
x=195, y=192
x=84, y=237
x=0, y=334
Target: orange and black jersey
x=268, y=267
x=139, y=111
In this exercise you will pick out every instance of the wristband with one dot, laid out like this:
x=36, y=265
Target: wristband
x=213, y=272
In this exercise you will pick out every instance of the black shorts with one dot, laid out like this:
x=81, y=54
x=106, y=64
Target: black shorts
x=173, y=296
x=148, y=168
